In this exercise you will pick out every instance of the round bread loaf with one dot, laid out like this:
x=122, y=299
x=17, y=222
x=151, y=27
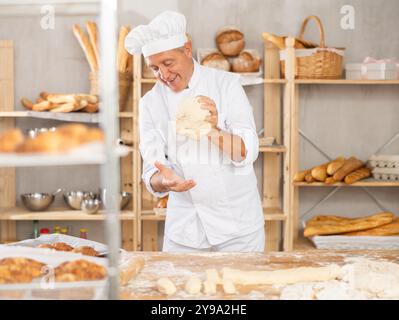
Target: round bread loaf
x=216, y=60
x=246, y=62
x=230, y=41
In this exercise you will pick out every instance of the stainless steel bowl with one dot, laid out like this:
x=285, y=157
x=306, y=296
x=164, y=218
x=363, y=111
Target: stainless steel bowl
x=37, y=201
x=90, y=206
x=32, y=133
x=73, y=199
x=125, y=199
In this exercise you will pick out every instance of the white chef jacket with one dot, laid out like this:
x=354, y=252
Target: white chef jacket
x=225, y=202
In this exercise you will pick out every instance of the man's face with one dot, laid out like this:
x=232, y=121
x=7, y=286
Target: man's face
x=174, y=67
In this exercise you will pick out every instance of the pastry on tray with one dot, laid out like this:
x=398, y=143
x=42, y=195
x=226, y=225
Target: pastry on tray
x=19, y=270
x=79, y=270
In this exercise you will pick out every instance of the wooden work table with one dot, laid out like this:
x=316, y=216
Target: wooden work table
x=180, y=266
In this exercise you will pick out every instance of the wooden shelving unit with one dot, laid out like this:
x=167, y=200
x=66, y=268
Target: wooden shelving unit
x=8, y=114
x=293, y=87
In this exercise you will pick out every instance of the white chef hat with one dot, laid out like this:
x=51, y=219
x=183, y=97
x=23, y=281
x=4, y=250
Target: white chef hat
x=165, y=32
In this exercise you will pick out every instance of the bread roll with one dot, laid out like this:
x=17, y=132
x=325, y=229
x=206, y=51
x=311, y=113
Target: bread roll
x=246, y=62
x=335, y=165
x=10, y=140
x=309, y=178
x=319, y=173
x=216, y=60
x=349, y=166
x=27, y=103
x=300, y=176
x=162, y=202
x=230, y=41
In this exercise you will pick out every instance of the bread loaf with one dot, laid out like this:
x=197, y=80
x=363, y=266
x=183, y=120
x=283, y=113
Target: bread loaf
x=319, y=173
x=300, y=176
x=246, y=62
x=349, y=166
x=10, y=140
x=329, y=180
x=357, y=175
x=335, y=226
x=86, y=47
x=27, y=103
x=309, y=178
x=162, y=202
x=216, y=60
x=42, y=106
x=335, y=165
x=230, y=41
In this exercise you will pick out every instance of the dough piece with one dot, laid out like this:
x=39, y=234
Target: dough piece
x=193, y=286
x=190, y=119
x=166, y=286
x=213, y=275
x=129, y=269
x=209, y=287
x=229, y=287
x=286, y=276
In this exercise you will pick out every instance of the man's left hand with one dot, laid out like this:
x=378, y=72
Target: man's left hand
x=208, y=104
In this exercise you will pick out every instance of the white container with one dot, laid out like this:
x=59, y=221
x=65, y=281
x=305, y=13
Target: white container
x=371, y=71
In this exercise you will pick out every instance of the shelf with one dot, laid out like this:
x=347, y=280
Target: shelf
x=362, y=183
x=270, y=214
x=60, y=116
x=274, y=148
x=344, y=81
x=57, y=215
x=90, y=154
x=276, y=81
x=61, y=7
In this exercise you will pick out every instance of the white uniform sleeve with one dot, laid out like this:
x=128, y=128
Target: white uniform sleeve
x=240, y=121
x=152, y=148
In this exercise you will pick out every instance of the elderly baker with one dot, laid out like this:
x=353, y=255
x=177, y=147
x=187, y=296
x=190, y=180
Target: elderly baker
x=198, y=142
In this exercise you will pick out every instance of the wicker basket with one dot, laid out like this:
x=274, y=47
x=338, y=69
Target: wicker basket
x=316, y=63
x=125, y=83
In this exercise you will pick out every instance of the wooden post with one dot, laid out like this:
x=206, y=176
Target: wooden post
x=289, y=95
x=7, y=175
x=271, y=161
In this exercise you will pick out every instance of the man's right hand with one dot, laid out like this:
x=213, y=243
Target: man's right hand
x=167, y=180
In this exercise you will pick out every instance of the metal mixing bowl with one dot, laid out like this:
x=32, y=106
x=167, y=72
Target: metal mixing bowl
x=124, y=198
x=37, y=201
x=74, y=198
x=90, y=205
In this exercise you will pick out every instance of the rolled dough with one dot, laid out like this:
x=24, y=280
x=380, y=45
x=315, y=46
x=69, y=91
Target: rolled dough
x=213, y=275
x=190, y=119
x=209, y=287
x=286, y=276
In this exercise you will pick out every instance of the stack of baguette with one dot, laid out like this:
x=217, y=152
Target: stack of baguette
x=279, y=41
x=379, y=224
x=90, y=47
x=348, y=170
x=55, y=102
x=64, y=138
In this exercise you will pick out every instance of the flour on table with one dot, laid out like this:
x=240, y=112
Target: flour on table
x=360, y=279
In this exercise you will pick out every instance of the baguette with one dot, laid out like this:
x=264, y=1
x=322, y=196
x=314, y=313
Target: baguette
x=325, y=227
x=335, y=165
x=91, y=28
x=42, y=106
x=349, y=166
x=66, y=107
x=300, y=176
x=123, y=55
x=91, y=108
x=357, y=175
x=27, y=103
x=322, y=218
x=86, y=46
x=44, y=95
x=389, y=229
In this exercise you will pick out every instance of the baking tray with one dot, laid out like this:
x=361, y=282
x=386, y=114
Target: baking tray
x=386, y=174
x=384, y=161
x=40, y=288
x=356, y=242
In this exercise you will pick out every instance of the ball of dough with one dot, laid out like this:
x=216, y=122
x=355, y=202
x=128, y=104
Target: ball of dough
x=166, y=286
x=193, y=286
x=190, y=119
